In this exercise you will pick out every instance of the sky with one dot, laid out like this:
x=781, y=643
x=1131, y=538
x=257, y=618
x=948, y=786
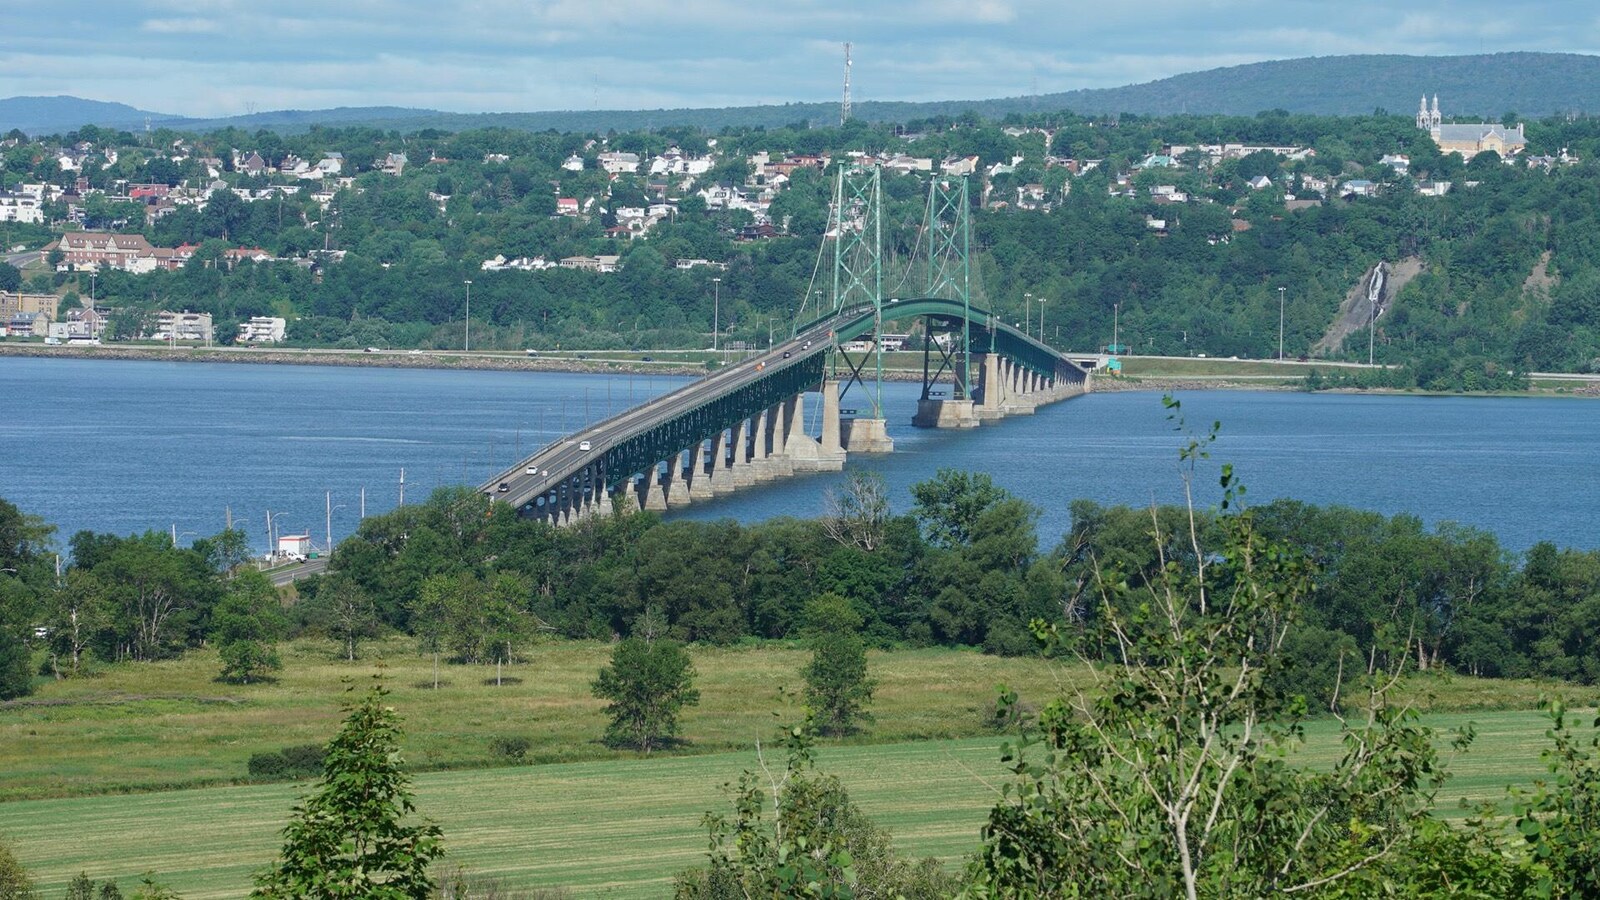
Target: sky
x=213, y=58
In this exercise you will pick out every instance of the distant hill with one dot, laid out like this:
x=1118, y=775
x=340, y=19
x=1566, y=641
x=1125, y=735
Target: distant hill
x=1531, y=84
x=47, y=115
x=1489, y=85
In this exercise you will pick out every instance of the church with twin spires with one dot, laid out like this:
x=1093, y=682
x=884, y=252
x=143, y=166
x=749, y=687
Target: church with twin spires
x=1469, y=140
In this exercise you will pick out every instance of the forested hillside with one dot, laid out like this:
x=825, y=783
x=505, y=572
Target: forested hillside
x=1076, y=212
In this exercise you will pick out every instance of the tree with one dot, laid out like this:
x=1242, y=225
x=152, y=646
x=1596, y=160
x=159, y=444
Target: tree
x=349, y=839
x=648, y=683
x=798, y=834
x=1170, y=777
x=346, y=612
x=78, y=612
x=14, y=881
x=857, y=513
x=430, y=616
x=16, y=660
x=949, y=505
x=245, y=626
x=1560, y=819
x=837, y=687
x=82, y=887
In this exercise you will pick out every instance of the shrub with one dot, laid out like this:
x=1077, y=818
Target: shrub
x=300, y=761
x=511, y=746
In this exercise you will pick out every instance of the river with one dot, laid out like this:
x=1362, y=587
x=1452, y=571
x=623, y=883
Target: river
x=124, y=446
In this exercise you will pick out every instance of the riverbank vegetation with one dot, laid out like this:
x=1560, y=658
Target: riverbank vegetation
x=459, y=593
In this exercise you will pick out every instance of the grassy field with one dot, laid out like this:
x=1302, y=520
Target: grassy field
x=614, y=828
x=170, y=724
x=166, y=725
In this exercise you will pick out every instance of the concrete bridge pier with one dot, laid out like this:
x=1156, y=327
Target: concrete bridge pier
x=601, y=505
x=655, y=498
x=867, y=436
x=991, y=389
x=627, y=496
x=696, y=474
x=673, y=483
x=720, y=479
x=741, y=473
x=778, y=462
x=1015, y=377
x=761, y=467
x=935, y=413
x=798, y=446
x=830, y=451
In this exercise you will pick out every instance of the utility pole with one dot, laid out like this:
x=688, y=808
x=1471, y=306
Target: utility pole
x=1041, y=319
x=716, y=310
x=467, y=342
x=1027, y=313
x=363, y=501
x=327, y=499
x=1280, y=324
x=1116, y=324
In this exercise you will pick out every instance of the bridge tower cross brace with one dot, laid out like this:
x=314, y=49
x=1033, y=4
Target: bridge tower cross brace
x=857, y=224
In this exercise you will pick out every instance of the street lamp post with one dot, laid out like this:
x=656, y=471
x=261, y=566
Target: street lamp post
x=1280, y=324
x=1041, y=319
x=272, y=536
x=1027, y=312
x=1116, y=325
x=328, y=523
x=467, y=342
x=716, y=310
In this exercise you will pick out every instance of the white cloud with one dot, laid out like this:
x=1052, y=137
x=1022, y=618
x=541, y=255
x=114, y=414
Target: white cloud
x=517, y=55
x=180, y=26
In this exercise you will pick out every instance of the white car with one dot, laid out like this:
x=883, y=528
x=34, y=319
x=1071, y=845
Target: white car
x=532, y=470
x=585, y=445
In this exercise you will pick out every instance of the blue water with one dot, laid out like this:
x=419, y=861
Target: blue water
x=124, y=446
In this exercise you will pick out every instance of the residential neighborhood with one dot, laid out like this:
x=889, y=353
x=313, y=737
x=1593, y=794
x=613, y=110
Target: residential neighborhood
x=154, y=206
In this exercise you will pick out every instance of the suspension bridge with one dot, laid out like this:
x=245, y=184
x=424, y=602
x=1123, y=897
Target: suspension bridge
x=746, y=423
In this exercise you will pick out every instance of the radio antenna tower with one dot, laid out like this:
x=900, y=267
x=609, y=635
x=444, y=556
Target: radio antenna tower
x=844, y=108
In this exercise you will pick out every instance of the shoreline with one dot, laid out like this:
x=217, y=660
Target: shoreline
x=395, y=359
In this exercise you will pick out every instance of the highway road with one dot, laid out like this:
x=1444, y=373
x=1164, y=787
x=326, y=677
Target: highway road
x=291, y=574
x=24, y=258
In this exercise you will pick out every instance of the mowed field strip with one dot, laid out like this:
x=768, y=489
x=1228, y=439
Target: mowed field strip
x=618, y=828
x=610, y=828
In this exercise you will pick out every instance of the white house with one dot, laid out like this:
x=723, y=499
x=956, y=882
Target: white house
x=261, y=330
x=184, y=326
x=619, y=163
x=21, y=208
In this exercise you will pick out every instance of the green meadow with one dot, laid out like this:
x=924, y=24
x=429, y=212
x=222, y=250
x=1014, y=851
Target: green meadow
x=142, y=767
x=605, y=828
